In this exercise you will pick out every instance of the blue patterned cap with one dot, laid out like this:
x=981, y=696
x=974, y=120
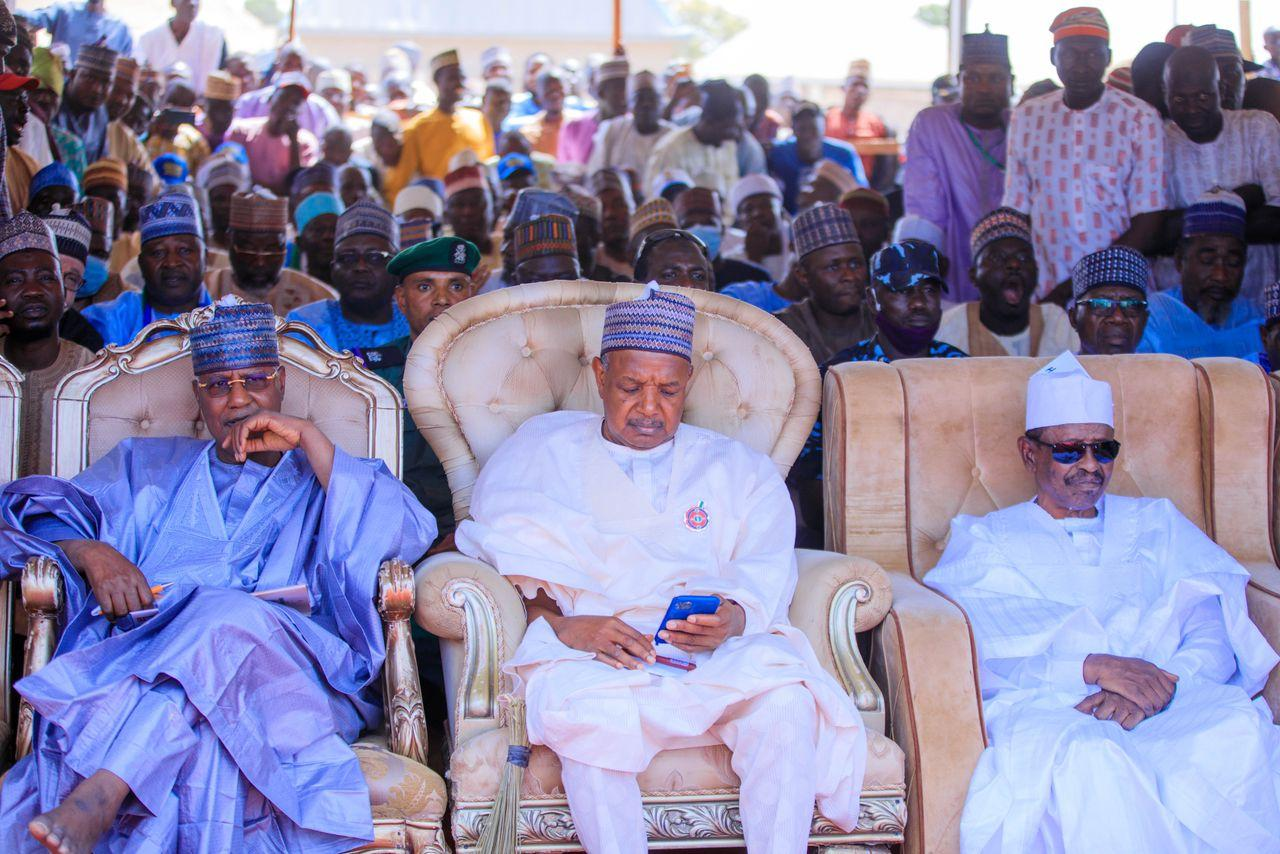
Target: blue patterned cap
x=1115, y=265
x=173, y=213
x=1271, y=300
x=56, y=174
x=905, y=264
x=366, y=217
x=1216, y=212
x=532, y=202
x=172, y=168
x=658, y=322
x=236, y=336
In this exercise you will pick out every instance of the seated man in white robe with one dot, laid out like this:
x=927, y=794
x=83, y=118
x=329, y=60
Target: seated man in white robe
x=181, y=712
x=1117, y=660
x=599, y=523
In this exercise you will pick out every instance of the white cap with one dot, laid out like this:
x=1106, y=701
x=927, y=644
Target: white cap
x=667, y=177
x=752, y=185
x=916, y=227
x=1062, y=392
x=333, y=78
x=418, y=196
x=495, y=56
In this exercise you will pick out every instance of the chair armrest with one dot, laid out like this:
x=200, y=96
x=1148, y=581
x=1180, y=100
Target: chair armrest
x=401, y=690
x=42, y=599
x=480, y=620
x=836, y=597
x=924, y=656
x=1263, y=596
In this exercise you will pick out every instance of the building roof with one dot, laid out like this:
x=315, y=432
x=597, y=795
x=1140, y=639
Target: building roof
x=642, y=20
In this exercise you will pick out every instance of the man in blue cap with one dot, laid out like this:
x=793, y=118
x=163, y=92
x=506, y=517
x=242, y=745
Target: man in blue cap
x=53, y=186
x=1108, y=307
x=224, y=717
x=172, y=264
x=515, y=172
x=172, y=168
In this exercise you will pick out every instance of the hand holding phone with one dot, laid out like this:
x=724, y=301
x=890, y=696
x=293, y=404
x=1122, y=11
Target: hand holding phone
x=696, y=624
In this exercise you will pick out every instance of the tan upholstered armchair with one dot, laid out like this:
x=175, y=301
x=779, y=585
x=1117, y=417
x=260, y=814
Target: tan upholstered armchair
x=912, y=444
x=473, y=377
x=144, y=389
x=10, y=420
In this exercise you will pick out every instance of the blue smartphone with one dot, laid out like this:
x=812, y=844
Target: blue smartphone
x=683, y=607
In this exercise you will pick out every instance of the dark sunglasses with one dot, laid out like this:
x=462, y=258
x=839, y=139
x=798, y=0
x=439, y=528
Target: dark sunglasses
x=1070, y=453
x=1130, y=307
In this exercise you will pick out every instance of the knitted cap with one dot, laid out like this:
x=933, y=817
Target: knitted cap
x=551, y=234
x=258, y=211
x=172, y=213
x=654, y=213
x=659, y=322
x=238, y=335
x=997, y=225
x=108, y=172
x=1115, y=265
x=70, y=232
x=366, y=217
x=1217, y=211
x=1080, y=21
x=821, y=226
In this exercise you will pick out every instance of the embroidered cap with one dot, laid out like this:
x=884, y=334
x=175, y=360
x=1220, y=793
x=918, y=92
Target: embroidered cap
x=1062, y=392
x=985, y=47
x=366, y=217
x=865, y=194
x=551, y=234
x=258, y=210
x=97, y=58
x=655, y=213
x=616, y=68
x=173, y=213
x=1219, y=42
x=997, y=225
x=321, y=175
x=1080, y=21
x=221, y=86
x=659, y=322
x=1271, y=300
x=71, y=233
x=1217, y=211
x=444, y=59
x=821, y=226
x=26, y=232
x=237, y=335
x=1114, y=265
x=56, y=174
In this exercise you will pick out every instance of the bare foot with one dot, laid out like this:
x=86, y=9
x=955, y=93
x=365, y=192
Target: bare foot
x=75, y=825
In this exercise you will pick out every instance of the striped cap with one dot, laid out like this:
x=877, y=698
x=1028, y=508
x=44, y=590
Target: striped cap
x=98, y=58
x=613, y=69
x=1115, y=265
x=70, y=232
x=26, y=232
x=221, y=86
x=222, y=171
x=258, y=210
x=109, y=172
x=415, y=231
x=997, y=225
x=366, y=217
x=237, y=335
x=658, y=322
x=654, y=213
x=1217, y=211
x=1121, y=78
x=127, y=70
x=1080, y=21
x=464, y=178
x=173, y=213
x=545, y=235
x=821, y=226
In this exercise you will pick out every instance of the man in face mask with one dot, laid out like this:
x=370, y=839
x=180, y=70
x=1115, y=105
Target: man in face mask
x=699, y=212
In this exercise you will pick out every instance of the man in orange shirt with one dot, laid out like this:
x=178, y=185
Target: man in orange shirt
x=851, y=122
x=432, y=139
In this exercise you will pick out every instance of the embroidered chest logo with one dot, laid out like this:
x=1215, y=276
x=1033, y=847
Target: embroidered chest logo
x=696, y=518
x=459, y=254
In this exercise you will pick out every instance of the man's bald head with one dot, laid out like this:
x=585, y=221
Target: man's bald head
x=1192, y=93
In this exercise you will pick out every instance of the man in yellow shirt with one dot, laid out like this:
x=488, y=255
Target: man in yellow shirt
x=432, y=139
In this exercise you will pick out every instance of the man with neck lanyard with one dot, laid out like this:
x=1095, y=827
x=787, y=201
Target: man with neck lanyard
x=954, y=174
x=172, y=263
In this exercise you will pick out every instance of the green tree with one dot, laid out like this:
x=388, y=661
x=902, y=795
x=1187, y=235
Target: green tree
x=265, y=11
x=934, y=15
x=711, y=23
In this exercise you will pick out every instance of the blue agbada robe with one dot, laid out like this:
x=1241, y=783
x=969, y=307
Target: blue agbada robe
x=229, y=717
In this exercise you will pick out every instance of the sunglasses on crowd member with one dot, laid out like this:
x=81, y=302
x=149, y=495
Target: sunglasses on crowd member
x=1129, y=306
x=253, y=382
x=1070, y=453
x=373, y=257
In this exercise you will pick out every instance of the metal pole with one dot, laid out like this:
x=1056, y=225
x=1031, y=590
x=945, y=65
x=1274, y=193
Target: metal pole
x=617, y=27
x=293, y=15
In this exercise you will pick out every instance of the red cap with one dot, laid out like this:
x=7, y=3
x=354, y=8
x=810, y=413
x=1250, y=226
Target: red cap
x=16, y=82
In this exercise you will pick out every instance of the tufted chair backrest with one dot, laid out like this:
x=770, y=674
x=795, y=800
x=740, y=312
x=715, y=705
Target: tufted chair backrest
x=10, y=418
x=144, y=389
x=488, y=364
x=912, y=444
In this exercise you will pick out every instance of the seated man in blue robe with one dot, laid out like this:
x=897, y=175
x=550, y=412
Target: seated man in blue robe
x=221, y=722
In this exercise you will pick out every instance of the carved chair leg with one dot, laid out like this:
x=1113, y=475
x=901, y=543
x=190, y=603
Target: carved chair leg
x=402, y=691
x=42, y=598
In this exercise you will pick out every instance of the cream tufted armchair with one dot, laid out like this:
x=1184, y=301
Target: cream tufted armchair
x=144, y=389
x=939, y=440
x=10, y=420
x=475, y=375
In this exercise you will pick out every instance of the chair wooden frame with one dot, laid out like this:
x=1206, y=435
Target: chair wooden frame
x=42, y=595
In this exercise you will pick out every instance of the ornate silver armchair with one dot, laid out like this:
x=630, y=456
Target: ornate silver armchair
x=10, y=419
x=472, y=378
x=143, y=389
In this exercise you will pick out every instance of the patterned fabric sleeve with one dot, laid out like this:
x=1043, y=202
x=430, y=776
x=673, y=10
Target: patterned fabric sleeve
x=1265, y=136
x=1147, y=181
x=1017, y=180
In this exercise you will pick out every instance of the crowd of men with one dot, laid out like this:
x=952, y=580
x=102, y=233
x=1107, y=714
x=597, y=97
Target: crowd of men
x=1132, y=208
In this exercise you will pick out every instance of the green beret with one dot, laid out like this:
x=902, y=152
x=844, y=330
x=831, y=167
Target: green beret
x=443, y=254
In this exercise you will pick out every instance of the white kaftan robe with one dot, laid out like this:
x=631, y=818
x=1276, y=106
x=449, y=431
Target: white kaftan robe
x=607, y=531
x=1141, y=582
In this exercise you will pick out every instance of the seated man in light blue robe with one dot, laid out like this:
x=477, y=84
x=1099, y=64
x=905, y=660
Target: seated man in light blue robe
x=1202, y=316
x=1117, y=660
x=222, y=721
